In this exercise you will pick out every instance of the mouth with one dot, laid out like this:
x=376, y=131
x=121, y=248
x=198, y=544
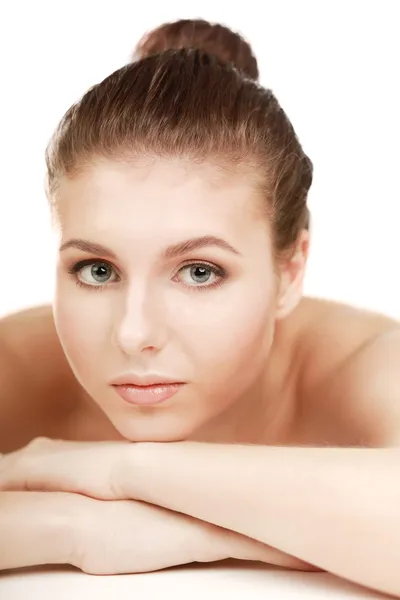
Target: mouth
x=147, y=394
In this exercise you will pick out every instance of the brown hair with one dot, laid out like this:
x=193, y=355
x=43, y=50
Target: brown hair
x=214, y=39
x=190, y=103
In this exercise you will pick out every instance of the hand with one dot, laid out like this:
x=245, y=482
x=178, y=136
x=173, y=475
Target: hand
x=102, y=537
x=133, y=537
x=89, y=468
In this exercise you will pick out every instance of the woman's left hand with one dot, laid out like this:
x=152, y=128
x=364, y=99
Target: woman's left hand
x=90, y=468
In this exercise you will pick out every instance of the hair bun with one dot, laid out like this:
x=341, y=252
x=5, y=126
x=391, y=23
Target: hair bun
x=213, y=39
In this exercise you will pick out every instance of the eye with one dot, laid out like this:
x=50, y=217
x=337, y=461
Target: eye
x=94, y=274
x=201, y=275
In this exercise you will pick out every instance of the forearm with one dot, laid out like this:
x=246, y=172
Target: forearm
x=32, y=529
x=336, y=508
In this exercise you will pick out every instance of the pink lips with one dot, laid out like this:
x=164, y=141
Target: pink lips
x=147, y=395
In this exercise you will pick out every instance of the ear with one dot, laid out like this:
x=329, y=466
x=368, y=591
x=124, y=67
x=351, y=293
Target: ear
x=292, y=273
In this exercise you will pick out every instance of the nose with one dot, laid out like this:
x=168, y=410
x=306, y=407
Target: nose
x=140, y=325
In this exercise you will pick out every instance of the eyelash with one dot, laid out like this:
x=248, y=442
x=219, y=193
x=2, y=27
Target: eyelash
x=218, y=271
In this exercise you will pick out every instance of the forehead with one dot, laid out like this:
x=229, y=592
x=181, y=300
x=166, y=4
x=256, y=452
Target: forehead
x=158, y=196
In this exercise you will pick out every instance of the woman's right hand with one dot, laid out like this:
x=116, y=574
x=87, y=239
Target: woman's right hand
x=128, y=536
x=111, y=537
x=100, y=537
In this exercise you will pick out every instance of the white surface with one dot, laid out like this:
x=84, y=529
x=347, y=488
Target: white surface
x=223, y=581
x=332, y=65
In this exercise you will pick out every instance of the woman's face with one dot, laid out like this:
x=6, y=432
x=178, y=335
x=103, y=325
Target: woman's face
x=166, y=272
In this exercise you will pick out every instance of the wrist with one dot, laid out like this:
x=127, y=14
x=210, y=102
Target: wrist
x=133, y=476
x=68, y=526
x=56, y=516
x=36, y=526
x=147, y=470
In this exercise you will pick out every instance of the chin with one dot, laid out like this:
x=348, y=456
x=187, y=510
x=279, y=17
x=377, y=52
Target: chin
x=153, y=428
x=153, y=436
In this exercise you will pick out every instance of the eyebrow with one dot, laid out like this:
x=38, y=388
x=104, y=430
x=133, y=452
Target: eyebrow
x=172, y=251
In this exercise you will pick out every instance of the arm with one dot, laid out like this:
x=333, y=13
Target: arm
x=336, y=508
x=38, y=528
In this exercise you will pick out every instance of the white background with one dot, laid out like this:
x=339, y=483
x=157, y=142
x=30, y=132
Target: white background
x=333, y=66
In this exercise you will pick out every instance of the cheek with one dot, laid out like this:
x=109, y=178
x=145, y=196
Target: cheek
x=228, y=331
x=80, y=323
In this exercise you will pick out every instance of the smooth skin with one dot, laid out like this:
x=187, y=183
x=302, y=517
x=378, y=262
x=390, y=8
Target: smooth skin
x=264, y=367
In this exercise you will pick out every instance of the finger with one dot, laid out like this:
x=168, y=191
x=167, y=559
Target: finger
x=54, y=465
x=39, y=466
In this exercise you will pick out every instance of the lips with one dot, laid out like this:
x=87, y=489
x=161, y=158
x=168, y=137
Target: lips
x=147, y=395
x=144, y=380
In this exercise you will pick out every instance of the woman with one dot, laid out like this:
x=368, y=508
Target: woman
x=267, y=424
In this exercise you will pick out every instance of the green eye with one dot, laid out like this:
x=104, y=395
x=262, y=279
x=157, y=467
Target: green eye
x=94, y=273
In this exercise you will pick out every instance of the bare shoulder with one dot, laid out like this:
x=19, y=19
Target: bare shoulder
x=330, y=333
x=350, y=377
x=35, y=378
x=37, y=321
x=29, y=339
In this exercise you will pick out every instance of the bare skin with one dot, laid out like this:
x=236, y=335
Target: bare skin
x=43, y=397
x=48, y=401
